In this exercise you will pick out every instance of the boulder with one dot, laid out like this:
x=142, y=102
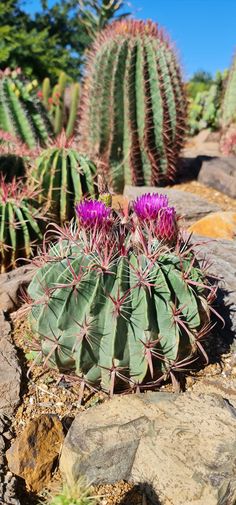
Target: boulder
x=33, y=454
x=11, y=284
x=220, y=174
x=183, y=447
x=191, y=207
x=216, y=225
x=10, y=371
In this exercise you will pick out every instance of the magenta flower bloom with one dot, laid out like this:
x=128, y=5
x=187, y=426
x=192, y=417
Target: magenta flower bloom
x=167, y=223
x=154, y=211
x=148, y=206
x=92, y=213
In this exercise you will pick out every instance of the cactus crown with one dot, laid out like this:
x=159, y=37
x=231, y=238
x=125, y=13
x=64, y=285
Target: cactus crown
x=19, y=226
x=133, y=104
x=120, y=299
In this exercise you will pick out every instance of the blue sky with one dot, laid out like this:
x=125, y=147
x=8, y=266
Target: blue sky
x=203, y=30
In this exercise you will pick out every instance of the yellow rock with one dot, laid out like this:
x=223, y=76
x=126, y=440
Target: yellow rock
x=216, y=225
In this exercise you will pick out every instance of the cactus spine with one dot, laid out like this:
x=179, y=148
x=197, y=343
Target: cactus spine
x=133, y=105
x=21, y=112
x=65, y=177
x=120, y=299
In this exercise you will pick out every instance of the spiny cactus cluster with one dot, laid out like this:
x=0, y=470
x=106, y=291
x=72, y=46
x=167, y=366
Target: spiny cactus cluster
x=19, y=223
x=229, y=102
x=133, y=105
x=65, y=176
x=54, y=102
x=21, y=112
x=121, y=299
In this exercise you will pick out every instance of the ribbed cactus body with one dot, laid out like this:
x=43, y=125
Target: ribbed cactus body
x=133, y=104
x=21, y=112
x=19, y=224
x=229, y=102
x=65, y=177
x=124, y=309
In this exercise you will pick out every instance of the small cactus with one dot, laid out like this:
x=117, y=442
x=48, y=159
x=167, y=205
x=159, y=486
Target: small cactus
x=19, y=223
x=133, y=104
x=121, y=299
x=21, y=112
x=65, y=177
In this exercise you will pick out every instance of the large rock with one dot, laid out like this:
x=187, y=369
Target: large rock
x=216, y=225
x=10, y=372
x=220, y=174
x=191, y=207
x=11, y=284
x=182, y=446
x=32, y=455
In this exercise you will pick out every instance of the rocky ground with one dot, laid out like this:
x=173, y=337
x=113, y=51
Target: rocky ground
x=201, y=419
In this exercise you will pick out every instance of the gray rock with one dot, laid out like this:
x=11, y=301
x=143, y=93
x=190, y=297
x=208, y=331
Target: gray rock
x=191, y=207
x=220, y=174
x=183, y=447
x=10, y=372
x=8, y=483
x=11, y=284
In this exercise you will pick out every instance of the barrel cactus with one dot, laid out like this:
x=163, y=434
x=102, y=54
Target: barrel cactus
x=21, y=112
x=229, y=102
x=120, y=299
x=133, y=104
x=65, y=176
x=19, y=223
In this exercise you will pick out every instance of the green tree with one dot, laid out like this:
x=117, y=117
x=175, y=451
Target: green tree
x=55, y=38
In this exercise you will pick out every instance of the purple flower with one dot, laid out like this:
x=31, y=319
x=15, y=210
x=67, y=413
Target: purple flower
x=153, y=210
x=167, y=224
x=148, y=206
x=92, y=213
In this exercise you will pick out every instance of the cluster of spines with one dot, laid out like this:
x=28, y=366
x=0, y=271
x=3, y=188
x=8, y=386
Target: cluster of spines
x=133, y=105
x=21, y=112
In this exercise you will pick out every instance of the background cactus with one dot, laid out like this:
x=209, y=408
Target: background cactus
x=21, y=112
x=65, y=176
x=121, y=300
x=229, y=102
x=62, y=115
x=133, y=104
x=19, y=223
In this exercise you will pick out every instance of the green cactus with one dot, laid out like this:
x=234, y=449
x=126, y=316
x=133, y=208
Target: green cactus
x=65, y=176
x=120, y=299
x=229, y=102
x=21, y=112
x=133, y=104
x=19, y=223
x=55, y=103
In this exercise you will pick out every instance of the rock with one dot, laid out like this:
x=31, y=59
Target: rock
x=11, y=284
x=220, y=174
x=7, y=480
x=33, y=454
x=10, y=371
x=216, y=225
x=181, y=446
x=221, y=256
x=188, y=205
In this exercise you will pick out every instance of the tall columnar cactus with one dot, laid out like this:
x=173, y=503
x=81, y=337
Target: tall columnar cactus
x=121, y=298
x=62, y=115
x=21, y=112
x=133, y=104
x=65, y=176
x=229, y=102
x=19, y=223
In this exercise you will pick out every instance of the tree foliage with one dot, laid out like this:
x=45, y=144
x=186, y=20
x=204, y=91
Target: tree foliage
x=53, y=39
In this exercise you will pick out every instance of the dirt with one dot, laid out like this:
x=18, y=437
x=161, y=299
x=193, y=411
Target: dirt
x=211, y=195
